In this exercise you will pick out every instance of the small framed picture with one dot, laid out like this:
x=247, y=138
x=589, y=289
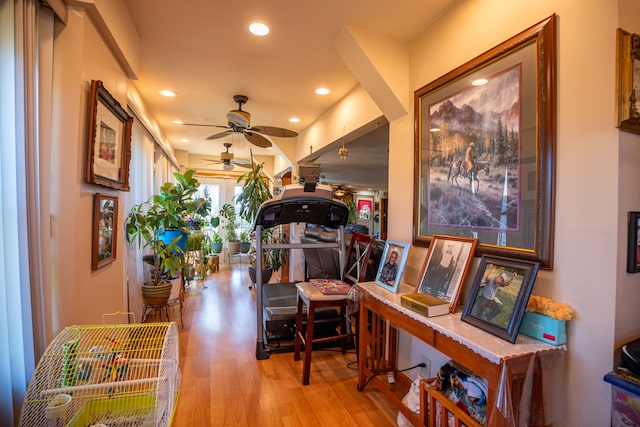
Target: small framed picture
x=105, y=226
x=499, y=296
x=633, y=251
x=392, y=263
x=445, y=268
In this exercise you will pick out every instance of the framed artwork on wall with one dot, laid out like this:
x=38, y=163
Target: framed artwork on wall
x=484, y=150
x=392, y=263
x=108, y=148
x=105, y=228
x=628, y=80
x=633, y=251
x=445, y=268
x=499, y=295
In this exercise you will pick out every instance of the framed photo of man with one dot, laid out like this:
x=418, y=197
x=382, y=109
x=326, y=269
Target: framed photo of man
x=391, y=266
x=445, y=267
x=499, y=295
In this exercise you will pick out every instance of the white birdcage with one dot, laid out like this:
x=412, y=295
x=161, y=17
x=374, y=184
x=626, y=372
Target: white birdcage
x=113, y=375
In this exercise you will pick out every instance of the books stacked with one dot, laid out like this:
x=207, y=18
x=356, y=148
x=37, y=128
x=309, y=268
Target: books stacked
x=425, y=304
x=331, y=286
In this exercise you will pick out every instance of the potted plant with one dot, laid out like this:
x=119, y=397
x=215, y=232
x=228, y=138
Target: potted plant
x=256, y=191
x=245, y=241
x=216, y=242
x=160, y=224
x=228, y=212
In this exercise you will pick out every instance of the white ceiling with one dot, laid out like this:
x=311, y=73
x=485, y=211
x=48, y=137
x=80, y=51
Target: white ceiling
x=201, y=49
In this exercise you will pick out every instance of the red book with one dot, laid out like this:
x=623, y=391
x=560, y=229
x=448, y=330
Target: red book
x=331, y=286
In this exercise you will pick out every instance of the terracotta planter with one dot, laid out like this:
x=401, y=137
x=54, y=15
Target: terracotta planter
x=234, y=247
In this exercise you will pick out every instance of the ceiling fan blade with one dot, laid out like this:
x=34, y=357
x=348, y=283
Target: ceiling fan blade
x=204, y=125
x=275, y=131
x=212, y=160
x=257, y=139
x=219, y=134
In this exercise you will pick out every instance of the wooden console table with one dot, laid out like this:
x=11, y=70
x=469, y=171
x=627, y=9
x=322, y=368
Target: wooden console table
x=486, y=355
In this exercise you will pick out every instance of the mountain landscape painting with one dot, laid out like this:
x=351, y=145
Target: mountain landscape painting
x=471, y=146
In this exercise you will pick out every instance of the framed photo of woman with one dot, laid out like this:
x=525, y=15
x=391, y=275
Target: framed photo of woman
x=392, y=263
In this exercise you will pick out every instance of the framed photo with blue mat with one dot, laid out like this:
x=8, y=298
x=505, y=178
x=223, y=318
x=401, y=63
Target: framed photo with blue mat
x=391, y=267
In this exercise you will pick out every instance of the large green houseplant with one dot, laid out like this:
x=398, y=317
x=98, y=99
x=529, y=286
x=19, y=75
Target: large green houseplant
x=255, y=191
x=149, y=223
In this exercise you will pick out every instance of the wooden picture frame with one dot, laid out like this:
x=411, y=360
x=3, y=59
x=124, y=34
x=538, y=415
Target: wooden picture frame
x=633, y=246
x=108, y=151
x=445, y=268
x=506, y=201
x=627, y=80
x=388, y=276
x=105, y=230
x=499, y=295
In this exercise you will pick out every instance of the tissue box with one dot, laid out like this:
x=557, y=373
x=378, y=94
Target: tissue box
x=544, y=328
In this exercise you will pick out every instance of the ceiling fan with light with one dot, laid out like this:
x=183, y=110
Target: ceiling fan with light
x=239, y=121
x=227, y=161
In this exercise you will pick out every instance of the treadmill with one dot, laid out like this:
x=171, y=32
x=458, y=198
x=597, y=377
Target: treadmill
x=307, y=202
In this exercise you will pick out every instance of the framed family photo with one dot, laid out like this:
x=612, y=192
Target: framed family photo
x=445, y=268
x=105, y=226
x=484, y=149
x=108, y=140
x=633, y=251
x=499, y=295
x=392, y=263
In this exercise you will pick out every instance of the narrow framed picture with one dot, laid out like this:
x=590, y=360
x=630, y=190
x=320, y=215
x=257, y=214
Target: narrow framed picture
x=105, y=226
x=445, y=267
x=633, y=251
x=391, y=267
x=499, y=295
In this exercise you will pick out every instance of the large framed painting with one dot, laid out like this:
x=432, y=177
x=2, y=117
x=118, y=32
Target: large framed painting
x=485, y=141
x=628, y=80
x=108, y=140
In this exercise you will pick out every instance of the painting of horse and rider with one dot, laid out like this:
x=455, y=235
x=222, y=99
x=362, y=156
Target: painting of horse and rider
x=473, y=151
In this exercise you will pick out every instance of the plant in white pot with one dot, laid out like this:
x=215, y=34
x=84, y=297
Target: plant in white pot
x=150, y=223
x=228, y=212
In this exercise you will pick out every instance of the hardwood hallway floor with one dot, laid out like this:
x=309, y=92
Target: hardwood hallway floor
x=224, y=385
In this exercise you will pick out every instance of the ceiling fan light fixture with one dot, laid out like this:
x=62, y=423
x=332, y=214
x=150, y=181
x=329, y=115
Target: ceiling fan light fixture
x=227, y=167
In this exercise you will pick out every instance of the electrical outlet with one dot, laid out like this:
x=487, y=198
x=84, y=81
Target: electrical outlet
x=426, y=371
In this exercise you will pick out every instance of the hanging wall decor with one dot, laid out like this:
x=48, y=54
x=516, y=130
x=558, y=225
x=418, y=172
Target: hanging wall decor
x=108, y=145
x=484, y=149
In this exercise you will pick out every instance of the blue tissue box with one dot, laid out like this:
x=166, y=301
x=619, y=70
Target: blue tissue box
x=544, y=328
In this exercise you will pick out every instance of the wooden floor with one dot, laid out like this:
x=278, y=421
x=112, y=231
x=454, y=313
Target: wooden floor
x=224, y=385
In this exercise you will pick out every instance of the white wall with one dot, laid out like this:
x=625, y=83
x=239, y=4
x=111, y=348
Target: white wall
x=79, y=295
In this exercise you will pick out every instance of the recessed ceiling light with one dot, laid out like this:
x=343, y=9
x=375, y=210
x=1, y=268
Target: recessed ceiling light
x=322, y=91
x=167, y=93
x=184, y=140
x=480, y=82
x=259, y=29
x=177, y=122
x=294, y=120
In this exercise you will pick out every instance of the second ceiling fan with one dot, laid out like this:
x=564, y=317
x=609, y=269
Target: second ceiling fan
x=239, y=121
x=227, y=161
